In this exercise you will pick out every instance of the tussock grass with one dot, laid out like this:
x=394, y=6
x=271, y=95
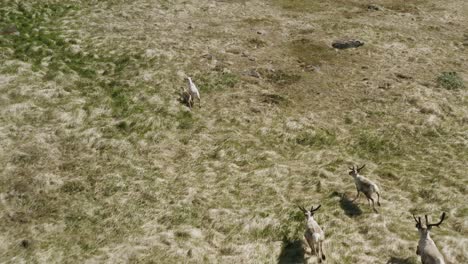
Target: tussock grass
x=101, y=163
x=450, y=81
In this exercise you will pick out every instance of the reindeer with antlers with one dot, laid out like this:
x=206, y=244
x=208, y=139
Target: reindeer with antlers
x=427, y=249
x=364, y=185
x=314, y=235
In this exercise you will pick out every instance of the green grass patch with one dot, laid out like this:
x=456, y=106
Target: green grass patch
x=311, y=52
x=317, y=138
x=292, y=225
x=38, y=37
x=373, y=145
x=185, y=120
x=215, y=81
x=450, y=81
x=43, y=43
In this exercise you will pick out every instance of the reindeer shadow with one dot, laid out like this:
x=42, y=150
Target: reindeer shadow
x=349, y=208
x=395, y=260
x=292, y=253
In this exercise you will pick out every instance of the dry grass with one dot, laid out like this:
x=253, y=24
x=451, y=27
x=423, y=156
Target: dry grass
x=100, y=162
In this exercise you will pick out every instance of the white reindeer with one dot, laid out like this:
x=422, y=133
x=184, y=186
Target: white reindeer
x=314, y=235
x=364, y=185
x=427, y=249
x=192, y=93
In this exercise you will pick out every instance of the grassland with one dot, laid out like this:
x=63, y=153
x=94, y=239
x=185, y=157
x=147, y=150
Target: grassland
x=101, y=163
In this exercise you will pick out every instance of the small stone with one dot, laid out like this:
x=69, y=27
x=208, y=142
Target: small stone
x=309, y=67
x=346, y=44
x=402, y=76
x=373, y=8
x=252, y=73
x=208, y=56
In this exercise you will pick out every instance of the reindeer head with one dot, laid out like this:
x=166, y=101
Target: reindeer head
x=355, y=170
x=425, y=229
x=309, y=213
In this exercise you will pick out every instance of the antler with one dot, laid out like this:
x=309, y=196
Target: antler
x=312, y=208
x=414, y=217
x=418, y=221
x=437, y=224
x=358, y=169
x=302, y=208
x=351, y=168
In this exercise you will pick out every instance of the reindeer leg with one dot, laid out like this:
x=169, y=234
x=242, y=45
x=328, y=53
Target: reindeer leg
x=321, y=251
x=357, y=196
x=317, y=252
x=373, y=205
x=378, y=199
x=189, y=101
x=311, y=246
x=199, y=102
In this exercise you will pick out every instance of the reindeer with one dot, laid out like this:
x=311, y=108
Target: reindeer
x=427, y=249
x=314, y=235
x=192, y=93
x=364, y=185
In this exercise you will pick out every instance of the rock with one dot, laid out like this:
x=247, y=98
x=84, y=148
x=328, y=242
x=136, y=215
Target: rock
x=309, y=67
x=373, y=8
x=402, y=76
x=346, y=44
x=208, y=56
x=252, y=73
